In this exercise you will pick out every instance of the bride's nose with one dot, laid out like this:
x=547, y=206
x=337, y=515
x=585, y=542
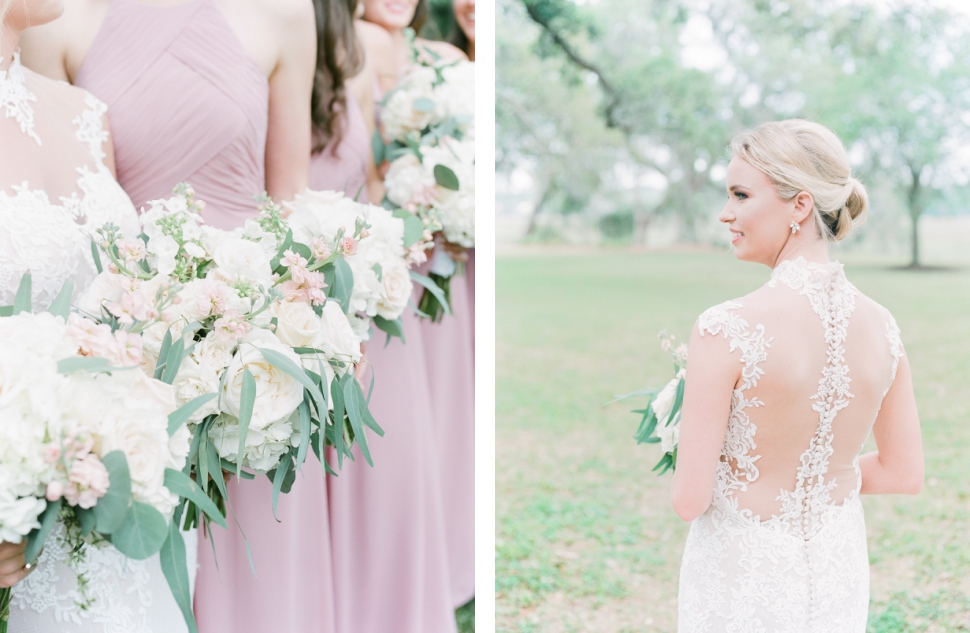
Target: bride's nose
x=726, y=215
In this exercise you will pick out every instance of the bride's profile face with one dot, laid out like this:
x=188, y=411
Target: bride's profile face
x=465, y=15
x=393, y=15
x=22, y=14
x=758, y=218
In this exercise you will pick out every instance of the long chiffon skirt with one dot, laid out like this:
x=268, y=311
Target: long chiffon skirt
x=292, y=589
x=449, y=347
x=387, y=526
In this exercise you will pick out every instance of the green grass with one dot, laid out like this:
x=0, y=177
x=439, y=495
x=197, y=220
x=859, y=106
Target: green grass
x=585, y=537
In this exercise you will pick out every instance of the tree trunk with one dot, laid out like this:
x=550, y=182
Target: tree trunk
x=915, y=211
x=543, y=199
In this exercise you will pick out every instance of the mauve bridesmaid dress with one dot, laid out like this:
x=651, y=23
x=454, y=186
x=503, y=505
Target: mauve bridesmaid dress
x=386, y=522
x=187, y=103
x=449, y=347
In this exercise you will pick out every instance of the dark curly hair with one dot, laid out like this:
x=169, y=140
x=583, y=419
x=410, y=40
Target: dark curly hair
x=339, y=57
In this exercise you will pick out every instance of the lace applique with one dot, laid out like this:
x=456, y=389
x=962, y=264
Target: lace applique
x=53, y=587
x=895, y=347
x=739, y=440
x=833, y=299
x=90, y=129
x=15, y=99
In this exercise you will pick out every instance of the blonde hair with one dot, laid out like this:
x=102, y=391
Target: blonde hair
x=799, y=155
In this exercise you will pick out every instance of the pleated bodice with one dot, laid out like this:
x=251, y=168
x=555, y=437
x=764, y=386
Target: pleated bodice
x=343, y=167
x=187, y=103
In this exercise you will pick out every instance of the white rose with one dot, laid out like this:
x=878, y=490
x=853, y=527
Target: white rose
x=142, y=434
x=297, y=325
x=337, y=338
x=277, y=393
x=178, y=447
x=397, y=290
x=408, y=181
x=194, y=380
x=264, y=446
x=213, y=352
x=664, y=401
x=18, y=516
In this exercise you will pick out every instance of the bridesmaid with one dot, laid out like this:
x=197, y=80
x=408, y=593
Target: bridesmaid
x=215, y=93
x=449, y=349
x=463, y=35
x=387, y=525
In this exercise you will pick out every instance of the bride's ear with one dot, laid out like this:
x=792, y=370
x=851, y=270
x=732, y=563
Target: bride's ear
x=804, y=204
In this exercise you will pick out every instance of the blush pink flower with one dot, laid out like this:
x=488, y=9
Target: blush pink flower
x=348, y=246
x=94, y=339
x=213, y=299
x=52, y=453
x=291, y=259
x=128, y=348
x=131, y=251
x=132, y=307
x=320, y=248
x=55, y=490
x=305, y=285
x=87, y=482
x=231, y=326
x=416, y=255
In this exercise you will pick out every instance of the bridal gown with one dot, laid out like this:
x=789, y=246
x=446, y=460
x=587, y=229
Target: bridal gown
x=782, y=547
x=48, y=232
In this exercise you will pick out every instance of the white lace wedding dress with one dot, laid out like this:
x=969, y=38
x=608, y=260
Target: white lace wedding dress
x=782, y=548
x=54, y=192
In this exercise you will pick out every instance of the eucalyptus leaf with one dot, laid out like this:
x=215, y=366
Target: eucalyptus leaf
x=61, y=306
x=343, y=283
x=433, y=288
x=174, y=361
x=142, y=533
x=423, y=104
x=92, y=364
x=354, y=402
x=446, y=178
x=181, y=415
x=21, y=301
x=111, y=509
x=96, y=256
x=36, y=538
x=184, y=487
x=247, y=400
x=175, y=568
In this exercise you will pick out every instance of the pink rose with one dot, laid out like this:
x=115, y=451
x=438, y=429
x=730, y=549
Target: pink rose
x=55, y=490
x=348, y=246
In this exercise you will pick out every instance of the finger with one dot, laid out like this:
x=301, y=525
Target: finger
x=12, y=565
x=9, y=580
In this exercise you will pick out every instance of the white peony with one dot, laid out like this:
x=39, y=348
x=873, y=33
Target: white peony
x=455, y=96
x=264, y=446
x=18, y=516
x=409, y=182
x=668, y=430
x=195, y=379
x=240, y=260
x=213, y=352
x=277, y=393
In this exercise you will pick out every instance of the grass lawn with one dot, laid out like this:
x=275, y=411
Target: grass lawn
x=586, y=539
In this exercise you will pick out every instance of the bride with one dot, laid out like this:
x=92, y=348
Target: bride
x=57, y=186
x=784, y=386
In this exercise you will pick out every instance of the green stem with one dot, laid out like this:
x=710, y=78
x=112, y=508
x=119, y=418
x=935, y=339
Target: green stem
x=5, y=598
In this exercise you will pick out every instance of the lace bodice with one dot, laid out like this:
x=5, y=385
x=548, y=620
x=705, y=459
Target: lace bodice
x=50, y=234
x=782, y=546
x=55, y=191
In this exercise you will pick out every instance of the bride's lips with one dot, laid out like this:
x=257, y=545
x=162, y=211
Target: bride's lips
x=736, y=236
x=395, y=7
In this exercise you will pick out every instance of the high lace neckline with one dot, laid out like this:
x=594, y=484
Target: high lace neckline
x=800, y=264
x=16, y=99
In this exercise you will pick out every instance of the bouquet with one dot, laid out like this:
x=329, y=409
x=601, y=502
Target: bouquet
x=660, y=421
x=88, y=440
x=429, y=125
x=252, y=333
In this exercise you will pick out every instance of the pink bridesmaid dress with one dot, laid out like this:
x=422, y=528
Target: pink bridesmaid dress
x=386, y=522
x=449, y=348
x=187, y=103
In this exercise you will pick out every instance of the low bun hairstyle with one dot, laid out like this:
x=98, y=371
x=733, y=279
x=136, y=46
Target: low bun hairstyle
x=799, y=155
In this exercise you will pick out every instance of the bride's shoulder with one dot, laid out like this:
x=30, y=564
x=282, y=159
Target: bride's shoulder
x=63, y=98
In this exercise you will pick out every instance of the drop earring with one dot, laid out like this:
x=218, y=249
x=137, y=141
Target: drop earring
x=795, y=227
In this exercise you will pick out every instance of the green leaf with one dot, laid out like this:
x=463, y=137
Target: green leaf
x=433, y=288
x=423, y=104
x=181, y=415
x=86, y=519
x=378, y=148
x=281, y=362
x=175, y=568
x=142, y=533
x=678, y=401
x=354, y=401
x=304, y=433
x=343, y=283
x=446, y=178
x=21, y=302
x=163, y=354
x=275, y=263
x=229, y=467
x=337, y=394
x=61, y=306
x=112, y=507
x=174, y=361
x=413, y=230
x=6, y=311
x=183, y=486
x=94, y=364
x=280, y=474
x=392, y=328
x=247, y=400
x=36, y=538
x=96, y=256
